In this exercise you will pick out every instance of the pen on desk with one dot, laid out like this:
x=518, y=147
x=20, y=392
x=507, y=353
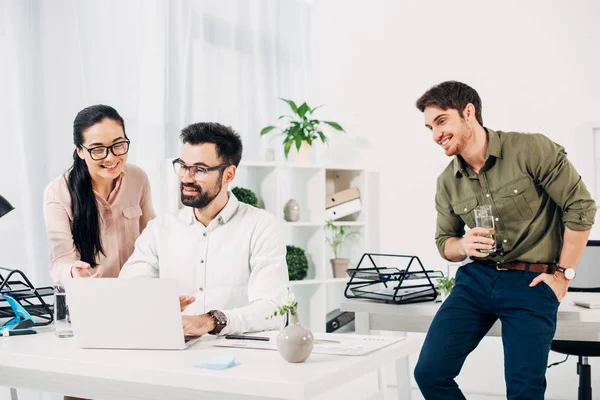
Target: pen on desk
x=247, y=337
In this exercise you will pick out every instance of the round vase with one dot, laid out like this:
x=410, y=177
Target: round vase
x=291, y=211
x=294, y=342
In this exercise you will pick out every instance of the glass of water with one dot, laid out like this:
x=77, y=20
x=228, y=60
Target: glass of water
x=485, y=219
x=62, y=319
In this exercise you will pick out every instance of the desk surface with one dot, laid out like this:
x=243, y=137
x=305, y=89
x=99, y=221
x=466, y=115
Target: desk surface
x=574, y=322
x=45, y=362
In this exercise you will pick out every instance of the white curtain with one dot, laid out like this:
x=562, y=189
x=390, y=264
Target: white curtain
x=162, y=64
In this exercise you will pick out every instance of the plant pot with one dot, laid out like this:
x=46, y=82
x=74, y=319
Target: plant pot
x=303, y=156
x=294, y=342
x=339, y=265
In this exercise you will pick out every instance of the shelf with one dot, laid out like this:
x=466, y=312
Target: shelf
x=306, y=282
x=342, y=167
x=336, y=280
x=349, y=223
x=318, y=281
x=304, y=224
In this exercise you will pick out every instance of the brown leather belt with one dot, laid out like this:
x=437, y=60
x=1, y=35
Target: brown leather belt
x=521, y=266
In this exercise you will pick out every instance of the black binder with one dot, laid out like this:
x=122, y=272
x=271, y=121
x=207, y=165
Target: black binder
x=391, y=278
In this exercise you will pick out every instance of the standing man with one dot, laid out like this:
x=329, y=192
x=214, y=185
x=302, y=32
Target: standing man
x=227, y=257
x=543, y=215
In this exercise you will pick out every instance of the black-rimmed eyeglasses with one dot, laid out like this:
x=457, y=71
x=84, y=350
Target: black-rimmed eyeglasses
x=197, y=172
x=101, y=152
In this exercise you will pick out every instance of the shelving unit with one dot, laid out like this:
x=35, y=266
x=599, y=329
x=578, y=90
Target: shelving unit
x=309, y=184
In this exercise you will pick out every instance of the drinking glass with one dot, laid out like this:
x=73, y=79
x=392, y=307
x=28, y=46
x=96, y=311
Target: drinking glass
x=485, y=219
x=62, y=319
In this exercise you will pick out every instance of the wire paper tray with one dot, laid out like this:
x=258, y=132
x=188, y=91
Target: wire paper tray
x=406, y=282
x=14, y=283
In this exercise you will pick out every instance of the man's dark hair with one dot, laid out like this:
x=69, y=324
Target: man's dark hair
x=228, y=141
x=454, y=95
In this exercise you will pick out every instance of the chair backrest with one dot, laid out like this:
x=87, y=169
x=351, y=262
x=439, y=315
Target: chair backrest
x=588, y=269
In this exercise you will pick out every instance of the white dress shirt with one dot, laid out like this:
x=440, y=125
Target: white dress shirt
x=236, y=264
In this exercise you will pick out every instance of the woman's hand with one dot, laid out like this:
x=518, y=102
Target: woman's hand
x=82, y=269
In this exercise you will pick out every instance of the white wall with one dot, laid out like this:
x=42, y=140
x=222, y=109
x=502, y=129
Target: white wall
x=533, y=63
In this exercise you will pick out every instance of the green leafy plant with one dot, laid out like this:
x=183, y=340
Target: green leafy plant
x=289, y=304
x=339, y=235
x=445, y=285
x=245, y=196
x=303, y=127
x=297, y=263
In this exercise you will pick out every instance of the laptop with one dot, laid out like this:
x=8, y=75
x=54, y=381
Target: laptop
x=112, y=313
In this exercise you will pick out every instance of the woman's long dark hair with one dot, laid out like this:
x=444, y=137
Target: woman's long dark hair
x=86, y=220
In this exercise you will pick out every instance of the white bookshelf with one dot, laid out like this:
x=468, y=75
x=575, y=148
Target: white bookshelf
x=275, y=183
x=309, y=184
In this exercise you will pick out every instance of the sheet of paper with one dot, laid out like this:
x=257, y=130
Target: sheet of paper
x=325, y=343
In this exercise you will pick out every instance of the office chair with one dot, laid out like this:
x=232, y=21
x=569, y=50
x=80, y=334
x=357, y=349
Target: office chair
x=587, y=280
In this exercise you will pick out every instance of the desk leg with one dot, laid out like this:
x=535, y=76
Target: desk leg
x=13, y=394
x=403, y=377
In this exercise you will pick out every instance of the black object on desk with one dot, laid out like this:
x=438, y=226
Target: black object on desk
x=15, y=284
x=391, y=278
x=247, y=337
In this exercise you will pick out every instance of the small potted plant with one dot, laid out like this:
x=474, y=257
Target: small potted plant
x=294, y=342
x=297, y=263
x=245, y=196
x=302, y=130
x=444, y=286
x=338, y=235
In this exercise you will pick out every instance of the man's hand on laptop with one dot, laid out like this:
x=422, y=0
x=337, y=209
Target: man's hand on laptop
x=185, y=301
x=81, y=269
x=197, y=325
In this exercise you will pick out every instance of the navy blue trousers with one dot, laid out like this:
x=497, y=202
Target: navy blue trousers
x=482, y=295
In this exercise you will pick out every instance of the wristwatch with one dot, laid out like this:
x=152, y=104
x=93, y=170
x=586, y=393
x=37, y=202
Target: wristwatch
x=220, y=321
x=569, y=273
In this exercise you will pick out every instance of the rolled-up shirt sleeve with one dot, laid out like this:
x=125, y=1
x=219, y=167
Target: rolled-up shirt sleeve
x=448, y=224
x=558, y=177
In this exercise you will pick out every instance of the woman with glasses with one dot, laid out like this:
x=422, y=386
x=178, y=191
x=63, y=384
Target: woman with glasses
x=96, y=210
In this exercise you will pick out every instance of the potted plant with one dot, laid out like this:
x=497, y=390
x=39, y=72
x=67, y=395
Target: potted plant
x=294, y=342
x=338, y=235
x=297, y=263
x=245, y=196
x=302, y=130
x=444, y=286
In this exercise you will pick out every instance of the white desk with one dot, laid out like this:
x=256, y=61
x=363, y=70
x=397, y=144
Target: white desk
x=46, y=363
x=574, y=323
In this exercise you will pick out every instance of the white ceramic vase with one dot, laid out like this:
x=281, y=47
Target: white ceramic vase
x=294, y=342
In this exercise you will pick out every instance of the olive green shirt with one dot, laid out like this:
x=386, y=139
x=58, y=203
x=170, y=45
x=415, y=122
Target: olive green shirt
x=534, y=192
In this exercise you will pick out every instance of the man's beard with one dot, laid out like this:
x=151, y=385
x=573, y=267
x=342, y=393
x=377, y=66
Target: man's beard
x=463, y=140
x=203, y=198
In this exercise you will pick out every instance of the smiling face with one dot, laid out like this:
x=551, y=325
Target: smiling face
x=104, y=133
x=200, y=190
x=450, y=131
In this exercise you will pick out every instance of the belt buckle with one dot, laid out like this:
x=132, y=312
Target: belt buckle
x=499, y=268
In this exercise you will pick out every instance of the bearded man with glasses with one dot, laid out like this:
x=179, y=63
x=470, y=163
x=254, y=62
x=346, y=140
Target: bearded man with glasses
x=228, y=257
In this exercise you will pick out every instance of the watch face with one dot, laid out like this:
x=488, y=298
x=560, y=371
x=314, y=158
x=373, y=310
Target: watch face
x=570, y=273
